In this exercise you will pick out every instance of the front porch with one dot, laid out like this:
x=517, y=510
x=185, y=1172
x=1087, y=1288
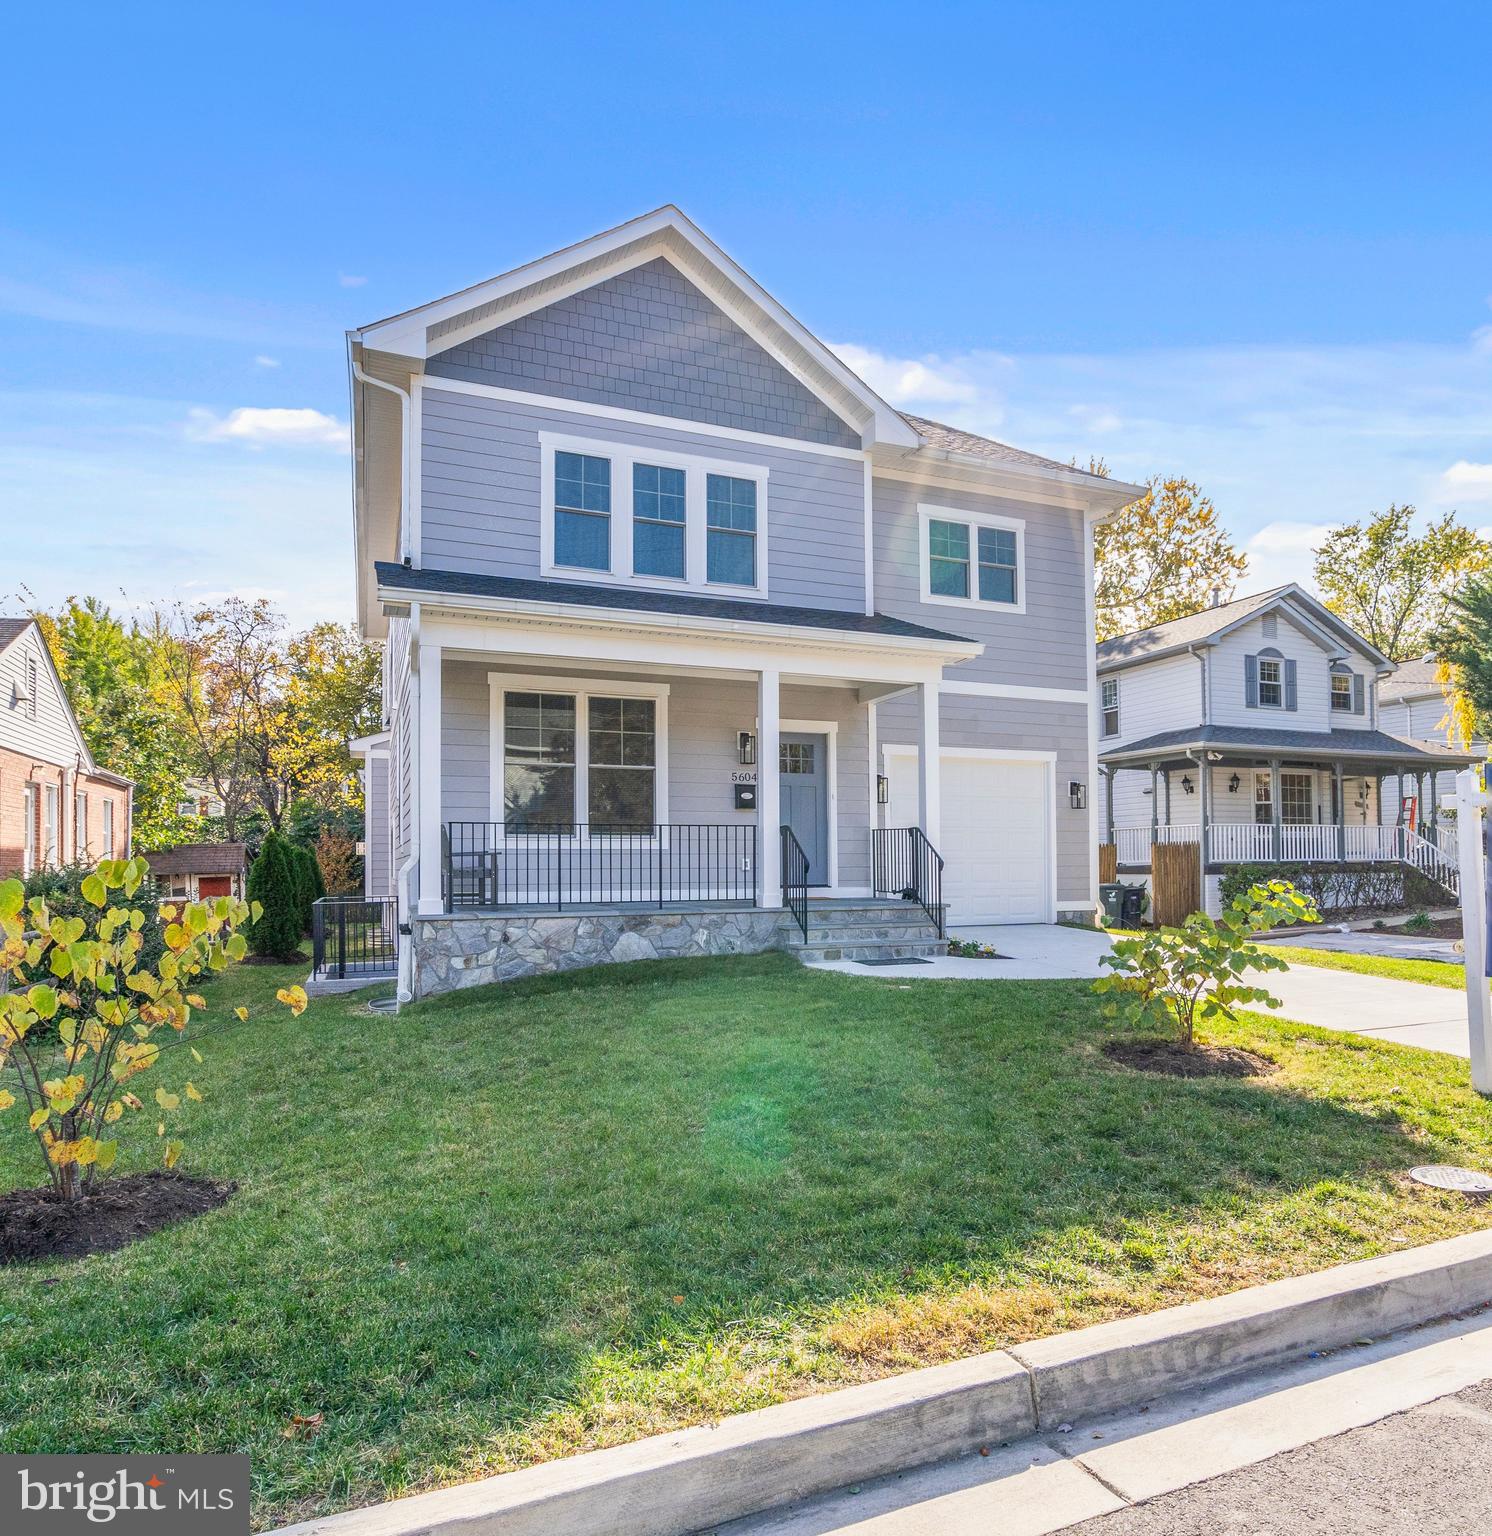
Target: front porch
x=1262, y=799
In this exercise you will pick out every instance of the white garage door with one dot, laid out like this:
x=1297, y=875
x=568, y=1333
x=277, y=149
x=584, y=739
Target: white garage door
x=996, y=844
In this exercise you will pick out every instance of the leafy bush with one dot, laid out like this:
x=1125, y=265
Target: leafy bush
x=275, y=888
x=340, y=864
x=62, y=890
x=1175, y=978
x=105, y=1009
x=1339, y=890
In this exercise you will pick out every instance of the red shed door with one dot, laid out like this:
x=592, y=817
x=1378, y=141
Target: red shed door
x=214, y=885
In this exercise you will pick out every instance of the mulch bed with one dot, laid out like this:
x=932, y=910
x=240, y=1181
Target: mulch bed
x=36, y=1224
x=1177, y=1060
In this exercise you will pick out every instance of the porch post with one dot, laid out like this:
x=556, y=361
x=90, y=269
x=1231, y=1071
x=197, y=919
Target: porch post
x=1155, y=803
x=1108, y=795
x=431, y=896
x=1204, y=815
x=768, y=788
x=1341, y=800
x=1275, y=837
x=1434, y=808
x=929, y=763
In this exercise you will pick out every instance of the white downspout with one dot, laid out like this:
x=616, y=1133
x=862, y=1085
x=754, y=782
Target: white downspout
x=405, y=907
x=406, y=512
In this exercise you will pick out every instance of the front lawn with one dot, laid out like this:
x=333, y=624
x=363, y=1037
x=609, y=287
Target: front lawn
x=514, y=1224
x=1435, y=973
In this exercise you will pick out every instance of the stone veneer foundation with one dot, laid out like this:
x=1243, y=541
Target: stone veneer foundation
x=455, y=952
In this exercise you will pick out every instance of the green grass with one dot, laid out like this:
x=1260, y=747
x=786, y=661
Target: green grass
x=514, y=1224
x=1436, y=973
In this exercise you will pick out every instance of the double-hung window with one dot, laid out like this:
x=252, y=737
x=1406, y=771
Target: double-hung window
x=730, y=505
x=687, y=521
x=51, y=803
x=576, y=762
x=582, y=511
x=1271, y=683
x=1111, y=706
x=972, y=558
x=659, y=521
x=108, y=829
x=1341, y=692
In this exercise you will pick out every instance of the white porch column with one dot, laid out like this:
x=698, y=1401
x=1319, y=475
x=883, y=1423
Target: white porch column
x=929, y=764
x=768, y=788
x=429, y=771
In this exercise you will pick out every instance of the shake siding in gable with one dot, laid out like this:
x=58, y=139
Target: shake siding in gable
x=480, y=494
x=648, y=340
x=1046, y=646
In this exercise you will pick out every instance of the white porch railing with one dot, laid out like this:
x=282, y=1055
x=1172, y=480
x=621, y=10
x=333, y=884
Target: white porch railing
x=1239, y=843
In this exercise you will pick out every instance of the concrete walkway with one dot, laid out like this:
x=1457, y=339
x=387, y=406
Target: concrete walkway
x=1408, y=1012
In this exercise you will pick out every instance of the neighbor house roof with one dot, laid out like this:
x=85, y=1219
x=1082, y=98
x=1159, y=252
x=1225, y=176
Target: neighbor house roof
x=1410, y=680
x=10, y=629
x=1321, y=746
x=1210, y=624
x=199, y=859
x=394, y=578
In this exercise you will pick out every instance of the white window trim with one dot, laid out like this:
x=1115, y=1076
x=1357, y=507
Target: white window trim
x=1259, y=664
x=622, y=457
x=107, y=828
x=1103, y=708
x=583, y=689
x=927, y=515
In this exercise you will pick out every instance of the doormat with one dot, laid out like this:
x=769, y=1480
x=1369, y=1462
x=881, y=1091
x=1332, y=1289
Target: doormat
x=914, y=960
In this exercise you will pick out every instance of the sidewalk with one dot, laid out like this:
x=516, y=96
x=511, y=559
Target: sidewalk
x=1105, y=1466
x=1408, y=1012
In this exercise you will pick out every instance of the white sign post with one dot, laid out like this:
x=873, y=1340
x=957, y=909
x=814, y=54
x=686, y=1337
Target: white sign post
x=1476, y=869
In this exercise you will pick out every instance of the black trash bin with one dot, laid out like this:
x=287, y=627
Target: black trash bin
x=1134, y=906
x=1111, y=898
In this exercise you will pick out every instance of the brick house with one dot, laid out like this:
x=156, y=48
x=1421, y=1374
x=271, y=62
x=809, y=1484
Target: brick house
x=57, y=806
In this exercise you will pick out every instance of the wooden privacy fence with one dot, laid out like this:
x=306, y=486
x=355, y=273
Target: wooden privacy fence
x=1176, y=883
x=1108, y=863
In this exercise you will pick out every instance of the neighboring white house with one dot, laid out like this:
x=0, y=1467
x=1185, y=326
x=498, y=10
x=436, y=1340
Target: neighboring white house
x=1411, y=704
x=693, y=642
x=1257, y=727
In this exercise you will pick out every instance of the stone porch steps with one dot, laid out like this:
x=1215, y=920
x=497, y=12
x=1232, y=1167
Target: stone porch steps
x=869, y=931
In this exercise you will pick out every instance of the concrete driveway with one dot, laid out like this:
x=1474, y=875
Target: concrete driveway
x=1408, y=1012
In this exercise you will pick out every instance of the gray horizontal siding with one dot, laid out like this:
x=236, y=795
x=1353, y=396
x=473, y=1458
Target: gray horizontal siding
x=1046, y=646
x=1019, y=725
x=648, y=340
x=480, y=495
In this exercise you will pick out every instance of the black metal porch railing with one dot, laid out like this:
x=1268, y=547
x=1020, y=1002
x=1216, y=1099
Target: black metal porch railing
x=905, y=865
x=795, y=879
x=354, y=936
x=488, y=864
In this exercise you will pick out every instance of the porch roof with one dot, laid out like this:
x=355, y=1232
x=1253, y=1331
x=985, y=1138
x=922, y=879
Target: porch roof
x=1247, y=740
x=403, y=581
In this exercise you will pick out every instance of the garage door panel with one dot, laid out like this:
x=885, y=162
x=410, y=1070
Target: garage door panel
x=996, y=842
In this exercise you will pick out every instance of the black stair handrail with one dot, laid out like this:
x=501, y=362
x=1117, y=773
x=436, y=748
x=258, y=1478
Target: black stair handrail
x=906, y=865
x=795, y=879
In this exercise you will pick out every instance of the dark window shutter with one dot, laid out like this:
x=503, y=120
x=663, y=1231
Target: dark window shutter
x=1289, y=684
x=1251, y=681
x=1357, y=693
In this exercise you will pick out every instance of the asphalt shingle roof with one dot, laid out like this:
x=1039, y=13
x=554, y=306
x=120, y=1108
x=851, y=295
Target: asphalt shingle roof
x=9, y=629
x=940, y=435
x=1409, y=680
x=640, y=600
x=199, y=859
x=1140, y=643
x=1317, y=744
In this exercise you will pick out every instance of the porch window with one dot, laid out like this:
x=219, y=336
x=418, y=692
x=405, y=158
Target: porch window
x=623, y=755
x=1295, y=799
x=539, y=761
x=658, y=514
x=1111, y=706
x=730, y=531
x=1271, y=683
x=1263, y=802
x=582, y=511
x=948, y=559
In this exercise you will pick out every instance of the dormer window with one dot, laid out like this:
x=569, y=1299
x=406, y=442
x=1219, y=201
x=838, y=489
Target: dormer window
x=1271, y=683
x=1341, y=692
x=1269, y=680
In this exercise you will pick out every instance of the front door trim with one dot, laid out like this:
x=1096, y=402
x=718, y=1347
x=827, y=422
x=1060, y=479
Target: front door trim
x=829, y=730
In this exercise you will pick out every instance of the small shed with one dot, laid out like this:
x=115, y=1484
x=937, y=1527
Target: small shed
x=198, y=870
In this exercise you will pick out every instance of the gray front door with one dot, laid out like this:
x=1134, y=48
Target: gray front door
x=805, y=798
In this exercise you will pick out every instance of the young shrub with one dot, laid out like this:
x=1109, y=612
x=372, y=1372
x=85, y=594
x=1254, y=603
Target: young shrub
x=1175, y=978
x=69, y=1045
x=275, y=889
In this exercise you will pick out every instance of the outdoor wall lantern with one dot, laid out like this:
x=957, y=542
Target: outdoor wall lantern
x=1077, y=795
x=745, y=748
x=883, y=789
x=1187, y=785
x=1233, y=784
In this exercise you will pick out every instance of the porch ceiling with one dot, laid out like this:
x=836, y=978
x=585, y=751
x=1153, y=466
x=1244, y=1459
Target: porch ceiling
x=1239, y=742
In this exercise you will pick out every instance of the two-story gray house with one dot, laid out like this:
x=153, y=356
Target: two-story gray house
x=1255, y=728
x=694, y=643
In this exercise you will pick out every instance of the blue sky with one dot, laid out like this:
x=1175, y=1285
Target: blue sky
x=1251, y=245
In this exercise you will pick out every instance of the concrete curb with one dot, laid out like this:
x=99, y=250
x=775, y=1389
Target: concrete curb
x=689, y=1480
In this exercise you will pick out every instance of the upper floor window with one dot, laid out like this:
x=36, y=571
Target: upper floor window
x=582, y=511
x=1271, y=683
x=694, y=522
x=1341, y=691
x=731, y=551
x=1111, y=706
x=972, y=557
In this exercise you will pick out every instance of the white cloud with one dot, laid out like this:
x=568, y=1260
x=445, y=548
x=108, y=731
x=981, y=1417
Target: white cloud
x=1096, y=418
x=260, y=427
x=1468, y=481
x=347, y=280
x=906, y=380
x=1283, y=552
x=261, y=361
